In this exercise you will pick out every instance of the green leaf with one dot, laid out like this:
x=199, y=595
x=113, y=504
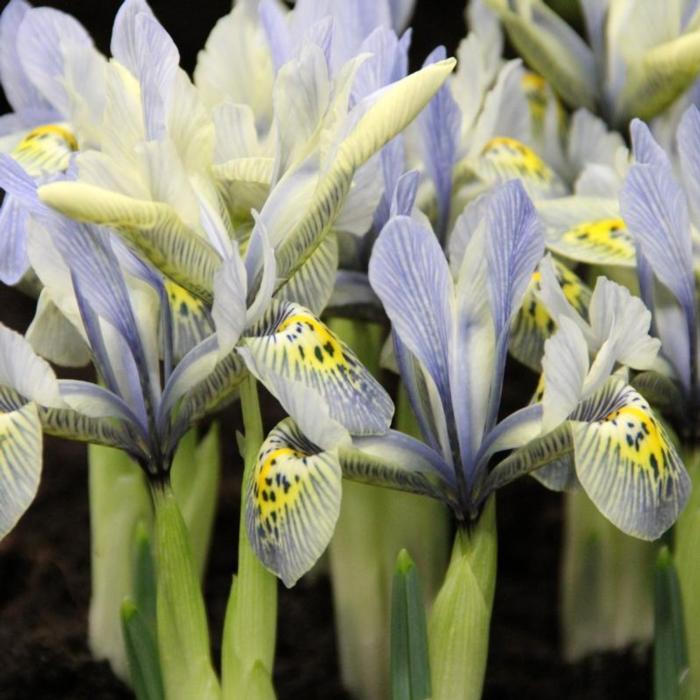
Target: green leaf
x=144, y=584
x=195, y=476
x=410, y=666
x=250, y=629
x=142, y=654
x=183, y=635
x=670, y=656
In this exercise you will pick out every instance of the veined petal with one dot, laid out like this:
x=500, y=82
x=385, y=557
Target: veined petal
x=229, y=309
x=292, y=343
x=409, y=273
x=261, y=271
x=688, y=136
x=503, y=158
x=548, y=458
x=293, y=502
x=628, y=466
x=399, y=462
x=125, y=44
x=43, y=38
x=13, y=241
x=383, y=115
x=655, y=209
x=515, y=247
x=440, y=125
x=587, y=229
x=54, y=337
x=565, y=366
x=622, y=322
x=20, y=463
x=152, y=227
x=191, y=319
x=21, y=93
x=21, y=370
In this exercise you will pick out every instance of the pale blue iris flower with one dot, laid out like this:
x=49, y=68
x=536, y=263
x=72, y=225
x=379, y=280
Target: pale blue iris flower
x=451, y=327
x=51, y=75
x=660, y=207
x=118, y=308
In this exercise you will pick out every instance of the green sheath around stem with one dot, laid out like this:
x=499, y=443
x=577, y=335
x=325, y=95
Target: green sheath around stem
x=607, y=600
x=374, y=525
x=119, y=501
x=687, y=560
x=250, y=627
x=458, y=629
x=183, y=635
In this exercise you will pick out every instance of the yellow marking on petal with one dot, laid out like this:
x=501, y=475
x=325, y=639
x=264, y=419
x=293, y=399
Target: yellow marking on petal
x=293, y=502
x=533, y=324
x=512, y=156
x=575, y=291
x=273, y=489
x=535, y=88
x=46, y=149
x=608, y=236
x=184, y=303
x=316, y=345
x=639, y=438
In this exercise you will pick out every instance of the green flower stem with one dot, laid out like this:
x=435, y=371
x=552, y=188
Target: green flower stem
x=251, y=616
x=195, y=477
x=183, y=636
x=120, y=507
x=687, y=560
x=458, y=629
x=374, y=525
x=607, y=589
x=119, y=502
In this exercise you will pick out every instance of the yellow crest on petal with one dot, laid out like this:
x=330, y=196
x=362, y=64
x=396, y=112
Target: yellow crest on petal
x=46, y=149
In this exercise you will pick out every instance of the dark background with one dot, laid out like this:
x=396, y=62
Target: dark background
x=44, y=563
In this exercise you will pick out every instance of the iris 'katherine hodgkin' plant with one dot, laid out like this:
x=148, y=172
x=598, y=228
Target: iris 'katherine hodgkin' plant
x=166, y=331
x=451, y=325
x=660, y=205
x=640, y=57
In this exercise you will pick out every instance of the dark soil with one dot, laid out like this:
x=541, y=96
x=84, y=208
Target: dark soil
x=45, y=588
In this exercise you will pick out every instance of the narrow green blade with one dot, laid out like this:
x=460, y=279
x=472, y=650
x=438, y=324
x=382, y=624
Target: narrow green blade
x=410, y=668
x=670, y=655
x=144, y=581
x=142, y=654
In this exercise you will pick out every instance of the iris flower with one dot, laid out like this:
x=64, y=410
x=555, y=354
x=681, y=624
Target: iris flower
x=51, y=76
x=118, y=306
x=451, y=334
x=641, y=55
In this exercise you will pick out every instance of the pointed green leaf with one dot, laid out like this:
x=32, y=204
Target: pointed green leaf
x=144, y=584
x=670, y=655
x=410, y=666
x=142, y=654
